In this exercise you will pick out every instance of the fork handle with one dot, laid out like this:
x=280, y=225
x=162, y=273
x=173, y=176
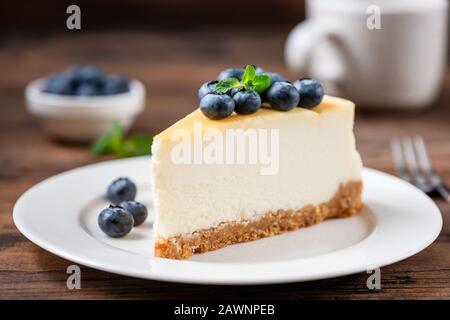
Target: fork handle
x=444, y=192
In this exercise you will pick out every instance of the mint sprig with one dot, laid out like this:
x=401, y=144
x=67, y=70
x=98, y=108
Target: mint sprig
x=114, y=142
x=249, y=74
x=108, y=142
x=224, y=85
x=250, y=82
x=261, y=82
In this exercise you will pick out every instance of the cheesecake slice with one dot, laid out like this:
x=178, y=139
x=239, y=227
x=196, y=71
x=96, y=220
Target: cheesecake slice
x=246, y=177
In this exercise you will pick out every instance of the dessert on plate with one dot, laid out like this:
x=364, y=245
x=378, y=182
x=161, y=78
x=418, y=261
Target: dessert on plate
x=260, y=157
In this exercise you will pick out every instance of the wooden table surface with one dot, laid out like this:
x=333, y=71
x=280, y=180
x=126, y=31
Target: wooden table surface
x=172, y=65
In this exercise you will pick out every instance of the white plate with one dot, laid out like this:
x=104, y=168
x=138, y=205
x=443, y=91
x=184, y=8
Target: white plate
x=60, y=215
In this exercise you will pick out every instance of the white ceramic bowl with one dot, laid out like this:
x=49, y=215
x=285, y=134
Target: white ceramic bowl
x=83, y=118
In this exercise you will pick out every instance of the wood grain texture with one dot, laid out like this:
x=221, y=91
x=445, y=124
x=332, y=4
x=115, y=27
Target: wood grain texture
x=143, y=14
x=172, y=66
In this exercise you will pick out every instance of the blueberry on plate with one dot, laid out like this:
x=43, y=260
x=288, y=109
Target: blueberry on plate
x=246, y=102
x=217, y=106
x=121, y=189
x=86, y=89
x=311, y=92
x=115, y=84
x=237, y=73
x=115, y=221
x=137, y=210
x=282, y=96
x=59, y=84
x=207, y=87
x=275, y=77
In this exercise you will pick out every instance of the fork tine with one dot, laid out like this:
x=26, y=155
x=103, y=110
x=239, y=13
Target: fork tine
x=425, y=163
x=397, y=157
x=422, y=154
x=410, y=155
x=411, y=161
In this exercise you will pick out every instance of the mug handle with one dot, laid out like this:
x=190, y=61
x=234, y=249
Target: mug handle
x=300, y=46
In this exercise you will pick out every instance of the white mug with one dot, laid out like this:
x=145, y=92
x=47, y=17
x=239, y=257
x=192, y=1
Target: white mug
x=378, y=53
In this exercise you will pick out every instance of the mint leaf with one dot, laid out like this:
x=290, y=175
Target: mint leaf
x=250, y=81
x=137, y=145
x=249, y=86
x=114, y=142
x=224, y=85
x=249, y=74
x=108, y=142
x=261, y=83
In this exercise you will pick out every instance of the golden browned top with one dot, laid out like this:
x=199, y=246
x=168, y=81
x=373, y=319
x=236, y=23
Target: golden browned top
x=328, y=104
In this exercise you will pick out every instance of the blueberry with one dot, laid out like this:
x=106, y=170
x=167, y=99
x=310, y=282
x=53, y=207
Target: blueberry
x=59, y=84
x=86, y=89
x=275, y=77
x=282, y=96
x=137, y=210
x=115, y=84
x=120, y=190
x=217, y=106
x=231, y=73
x=115, y=221
x=207, y=87
x=247, y=102
x=87, y=74
x=311, y=92
x=233, y=91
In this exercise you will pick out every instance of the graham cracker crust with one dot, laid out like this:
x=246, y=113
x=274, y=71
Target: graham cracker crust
x=346, y=202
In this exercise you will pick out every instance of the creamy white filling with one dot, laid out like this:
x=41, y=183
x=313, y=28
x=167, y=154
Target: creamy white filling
x=317, y=153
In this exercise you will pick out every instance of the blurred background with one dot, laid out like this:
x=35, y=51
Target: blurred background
x=45, y=15
x=172, y=47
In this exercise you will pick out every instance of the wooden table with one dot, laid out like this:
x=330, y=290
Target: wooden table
x=172, y=65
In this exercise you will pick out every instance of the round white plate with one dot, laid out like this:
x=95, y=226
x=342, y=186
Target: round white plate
x=60, y=215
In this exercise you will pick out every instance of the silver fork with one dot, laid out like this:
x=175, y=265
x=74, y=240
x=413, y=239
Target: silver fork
x=413, y=164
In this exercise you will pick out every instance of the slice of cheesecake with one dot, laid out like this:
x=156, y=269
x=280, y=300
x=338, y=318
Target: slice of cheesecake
x=216, y=183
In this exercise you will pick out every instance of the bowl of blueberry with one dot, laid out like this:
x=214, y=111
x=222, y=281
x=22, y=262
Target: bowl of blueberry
x=83, y=102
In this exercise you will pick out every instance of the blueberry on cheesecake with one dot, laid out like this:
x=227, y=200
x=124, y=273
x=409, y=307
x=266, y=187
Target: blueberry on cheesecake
x=246, y=102
x=282, y=96
x=217, y=106
x=311, y=92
